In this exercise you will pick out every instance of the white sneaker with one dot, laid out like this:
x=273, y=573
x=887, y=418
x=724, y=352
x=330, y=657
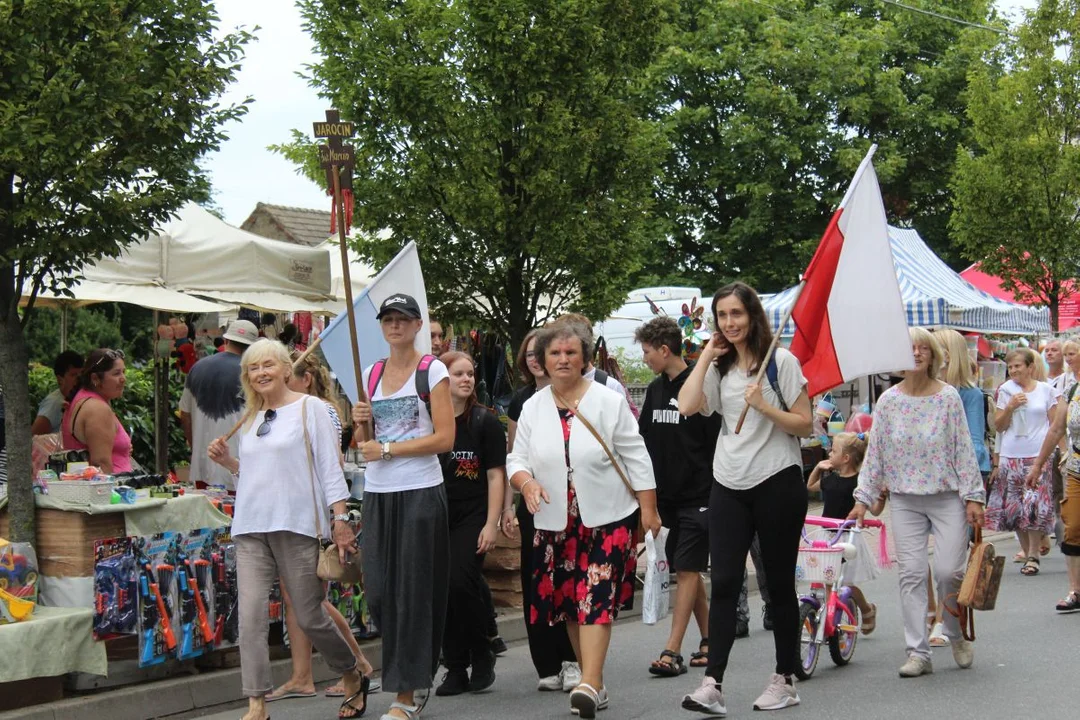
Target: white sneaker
x=778, y=694
x=963, y=652
x=571, y=676
x=602, y=701
x=706, y=699
x=551, y=683
x=916, y=666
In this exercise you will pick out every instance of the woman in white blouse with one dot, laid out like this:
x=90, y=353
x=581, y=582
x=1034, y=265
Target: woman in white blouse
x=1025, y=408
x=585, y=512
x=282, y=499
x=920, y=450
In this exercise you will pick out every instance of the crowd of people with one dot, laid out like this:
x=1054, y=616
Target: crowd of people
x=591, y=473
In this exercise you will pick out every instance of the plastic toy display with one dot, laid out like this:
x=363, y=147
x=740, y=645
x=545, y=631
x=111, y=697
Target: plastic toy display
x=116, y=589
x=18, y=581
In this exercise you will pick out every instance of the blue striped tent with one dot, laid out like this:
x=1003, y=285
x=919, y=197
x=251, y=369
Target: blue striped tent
x=934, y=295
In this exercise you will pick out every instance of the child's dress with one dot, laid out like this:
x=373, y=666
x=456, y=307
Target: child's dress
x=838, y=494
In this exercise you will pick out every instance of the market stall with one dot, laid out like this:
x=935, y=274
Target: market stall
x=934, y=295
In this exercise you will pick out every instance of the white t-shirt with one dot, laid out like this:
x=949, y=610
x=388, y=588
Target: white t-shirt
x=762, y=449
x=274, y=490
x=399, y=417
x=1030, y=423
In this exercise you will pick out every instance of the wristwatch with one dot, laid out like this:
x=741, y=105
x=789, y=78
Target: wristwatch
x=386, y=454
x=343, y=517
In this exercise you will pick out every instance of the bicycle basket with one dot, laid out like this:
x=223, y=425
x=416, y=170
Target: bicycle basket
x=818, y=564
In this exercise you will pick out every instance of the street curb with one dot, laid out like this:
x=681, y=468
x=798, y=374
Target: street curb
x=201, y=692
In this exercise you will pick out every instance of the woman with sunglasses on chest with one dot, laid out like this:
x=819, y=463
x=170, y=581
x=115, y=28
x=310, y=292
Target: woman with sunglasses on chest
x=406, y=532
x=89, y=422
x=289, y=481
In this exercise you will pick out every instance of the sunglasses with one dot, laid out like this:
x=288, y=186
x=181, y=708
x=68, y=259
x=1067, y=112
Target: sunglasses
x=107, y=355
x=268, y=418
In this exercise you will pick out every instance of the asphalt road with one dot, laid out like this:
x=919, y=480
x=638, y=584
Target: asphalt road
x=1025, y=667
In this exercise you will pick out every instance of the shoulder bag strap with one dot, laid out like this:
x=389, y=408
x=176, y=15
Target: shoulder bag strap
x=589, y=426
x=311, y=468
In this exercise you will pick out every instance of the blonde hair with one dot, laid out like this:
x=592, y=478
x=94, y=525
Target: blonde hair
x=1073, y=345
x=321, y=386
x=958, y=366
x=851, y=444
x=257, y=352
x=922, y=336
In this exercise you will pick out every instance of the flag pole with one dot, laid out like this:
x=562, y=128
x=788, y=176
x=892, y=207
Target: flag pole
x=768, y=355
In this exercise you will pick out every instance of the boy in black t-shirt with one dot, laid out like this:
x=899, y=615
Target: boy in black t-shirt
x=681, y=449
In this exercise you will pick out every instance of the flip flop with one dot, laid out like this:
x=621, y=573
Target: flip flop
x=338, y=690
x=292, y=694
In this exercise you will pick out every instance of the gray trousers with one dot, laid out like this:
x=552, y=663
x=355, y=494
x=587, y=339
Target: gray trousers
x=260, y=559
x=914, y=519
x=406, y=579
x=742, y=613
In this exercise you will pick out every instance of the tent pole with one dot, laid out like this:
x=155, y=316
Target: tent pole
x=63, y=327
x=161, y=407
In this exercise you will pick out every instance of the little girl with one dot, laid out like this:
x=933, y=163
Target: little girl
x=837, y=477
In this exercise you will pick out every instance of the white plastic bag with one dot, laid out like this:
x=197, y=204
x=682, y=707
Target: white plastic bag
x=654, y=604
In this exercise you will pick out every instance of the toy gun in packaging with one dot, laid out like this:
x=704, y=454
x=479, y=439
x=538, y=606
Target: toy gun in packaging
x=225, y=600
x=187, y=613
x=152, y=591
x=150, y=617
x=197, y=580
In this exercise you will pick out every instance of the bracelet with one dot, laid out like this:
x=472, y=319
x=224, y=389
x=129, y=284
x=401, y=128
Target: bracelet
x=522, y=488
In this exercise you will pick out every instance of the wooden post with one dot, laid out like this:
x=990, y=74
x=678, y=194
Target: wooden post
x=336, y=159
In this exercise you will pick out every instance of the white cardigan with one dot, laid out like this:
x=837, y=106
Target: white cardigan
x=602, y=496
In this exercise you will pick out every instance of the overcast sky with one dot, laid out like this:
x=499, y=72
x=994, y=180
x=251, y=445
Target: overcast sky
x=244, y=172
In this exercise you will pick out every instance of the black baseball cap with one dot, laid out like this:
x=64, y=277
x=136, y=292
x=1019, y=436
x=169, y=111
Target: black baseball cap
x=399, y=302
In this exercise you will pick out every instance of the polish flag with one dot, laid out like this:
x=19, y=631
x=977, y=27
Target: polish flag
x=849, y=318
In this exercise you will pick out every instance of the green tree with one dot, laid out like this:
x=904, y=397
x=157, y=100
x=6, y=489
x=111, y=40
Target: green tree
x=770, y=106
x=106, y=108
x=506, y=137
x=1017, y=186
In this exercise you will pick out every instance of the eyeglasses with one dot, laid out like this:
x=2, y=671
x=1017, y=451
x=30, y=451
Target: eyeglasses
x=107, y=355
x=268, y=417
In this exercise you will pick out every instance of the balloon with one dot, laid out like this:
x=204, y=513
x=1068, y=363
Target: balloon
x=860, y=422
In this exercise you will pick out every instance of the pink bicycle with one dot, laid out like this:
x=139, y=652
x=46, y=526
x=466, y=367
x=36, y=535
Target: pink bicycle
x=828, y=614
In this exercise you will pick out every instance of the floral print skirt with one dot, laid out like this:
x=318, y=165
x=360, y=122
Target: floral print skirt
x=581, y=574
x=1012, y=505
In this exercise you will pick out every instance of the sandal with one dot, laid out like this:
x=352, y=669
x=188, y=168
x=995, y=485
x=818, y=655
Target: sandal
x=338, y=690
x=701, y=657
x=412, y=712
x=585, y=701
x=674, y=667
x=869, y=620
x=1019, y=557
x=1031, y=567
x=938, y=638
x=365, y=688
x=1070, y=604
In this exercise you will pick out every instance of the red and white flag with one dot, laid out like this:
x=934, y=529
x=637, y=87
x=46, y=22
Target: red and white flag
x=849, y=318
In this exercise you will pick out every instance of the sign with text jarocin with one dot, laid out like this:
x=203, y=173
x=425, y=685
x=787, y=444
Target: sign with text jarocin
x=334, y=129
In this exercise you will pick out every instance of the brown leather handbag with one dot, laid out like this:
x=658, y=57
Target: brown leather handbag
x=979, y=589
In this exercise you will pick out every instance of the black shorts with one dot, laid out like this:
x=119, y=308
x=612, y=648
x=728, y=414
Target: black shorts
x=688, y=538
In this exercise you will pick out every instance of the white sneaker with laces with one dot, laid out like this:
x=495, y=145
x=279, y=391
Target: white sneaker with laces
x=706, y=699
x=551, y=683
x=963, y=652
x=916, y=666
x=571, y=676
x=778, y=694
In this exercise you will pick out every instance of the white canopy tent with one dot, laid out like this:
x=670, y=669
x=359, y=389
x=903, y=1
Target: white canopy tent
x=360, y=275
x=199, y=254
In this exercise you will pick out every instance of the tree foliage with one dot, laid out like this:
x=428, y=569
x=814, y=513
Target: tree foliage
x=105, y=109
x=1017, y=186
x=507, y=138
x=770, y=106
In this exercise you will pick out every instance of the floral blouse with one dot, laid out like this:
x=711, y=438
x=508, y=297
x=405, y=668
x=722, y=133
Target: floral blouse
x=920, y=446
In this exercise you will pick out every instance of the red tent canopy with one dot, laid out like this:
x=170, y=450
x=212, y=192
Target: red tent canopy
x=1068, y=311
